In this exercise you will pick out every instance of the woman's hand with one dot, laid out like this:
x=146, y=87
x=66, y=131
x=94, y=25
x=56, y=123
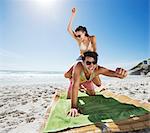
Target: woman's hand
x=73, y=112
x=73, y=11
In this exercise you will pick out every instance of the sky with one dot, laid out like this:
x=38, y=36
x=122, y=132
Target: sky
x=33, y=33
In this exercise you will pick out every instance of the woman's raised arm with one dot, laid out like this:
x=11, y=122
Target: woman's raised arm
x=69, y=27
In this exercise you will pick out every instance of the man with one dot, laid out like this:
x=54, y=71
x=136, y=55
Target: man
x=84, y=74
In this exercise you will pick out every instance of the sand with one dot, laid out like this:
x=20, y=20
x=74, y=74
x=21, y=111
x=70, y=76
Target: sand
x=22, y=107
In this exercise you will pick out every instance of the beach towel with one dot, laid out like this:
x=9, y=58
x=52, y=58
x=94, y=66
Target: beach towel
x=102, y=110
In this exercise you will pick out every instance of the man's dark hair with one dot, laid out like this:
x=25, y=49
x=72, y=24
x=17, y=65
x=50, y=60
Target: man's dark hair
x=90, y=54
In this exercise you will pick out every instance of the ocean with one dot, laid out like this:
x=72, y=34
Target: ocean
x=55, y=78
x=10, y=78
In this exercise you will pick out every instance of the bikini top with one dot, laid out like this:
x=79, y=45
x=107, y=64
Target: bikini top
x=83, y=47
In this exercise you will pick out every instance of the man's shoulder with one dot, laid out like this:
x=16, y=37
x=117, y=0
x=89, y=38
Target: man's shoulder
x=98, y=68
x=92, y=37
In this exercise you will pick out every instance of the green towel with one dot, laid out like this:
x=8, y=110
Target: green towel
x=93, y=109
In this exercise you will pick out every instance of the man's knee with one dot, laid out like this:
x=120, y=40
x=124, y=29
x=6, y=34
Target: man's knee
x=91, y=93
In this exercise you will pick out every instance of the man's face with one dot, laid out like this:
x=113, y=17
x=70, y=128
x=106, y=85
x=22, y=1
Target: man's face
x=90, y=63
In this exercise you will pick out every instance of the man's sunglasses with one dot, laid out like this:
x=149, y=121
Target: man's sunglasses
x=89, y=63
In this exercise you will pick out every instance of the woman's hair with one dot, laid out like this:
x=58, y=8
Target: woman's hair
x=90, y=54
x=83, y=29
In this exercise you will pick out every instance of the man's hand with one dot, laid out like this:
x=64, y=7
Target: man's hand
x=73, y=112
x=121, y=73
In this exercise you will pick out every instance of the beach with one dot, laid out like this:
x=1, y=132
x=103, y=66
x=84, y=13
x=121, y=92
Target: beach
x=25, y=98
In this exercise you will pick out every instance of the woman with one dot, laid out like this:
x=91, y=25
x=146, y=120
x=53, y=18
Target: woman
x=85, y=42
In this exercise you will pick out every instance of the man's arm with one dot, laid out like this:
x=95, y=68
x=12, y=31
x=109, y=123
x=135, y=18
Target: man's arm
x=119, y=72
x=75, y=87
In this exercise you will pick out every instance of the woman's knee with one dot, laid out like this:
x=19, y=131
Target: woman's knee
x=97, y=81
x=67, y=75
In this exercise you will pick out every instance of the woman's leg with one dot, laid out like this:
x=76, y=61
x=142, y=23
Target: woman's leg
x=97, y=81
x=68, y=74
